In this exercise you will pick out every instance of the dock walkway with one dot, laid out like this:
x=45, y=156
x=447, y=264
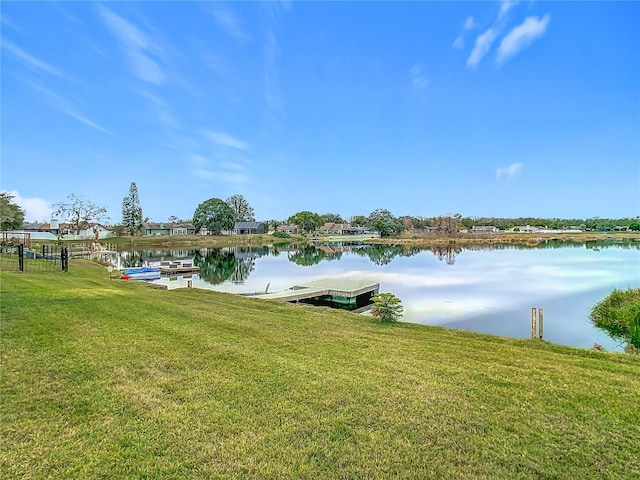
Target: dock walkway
x=343, y=288
x=177, y=266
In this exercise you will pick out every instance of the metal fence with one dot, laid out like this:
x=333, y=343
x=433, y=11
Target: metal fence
x=45, y=258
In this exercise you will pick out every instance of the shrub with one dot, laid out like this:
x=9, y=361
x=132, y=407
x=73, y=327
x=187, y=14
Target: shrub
x=387, y=307
x=280, y=234
x=618, y=314
x=634, y=331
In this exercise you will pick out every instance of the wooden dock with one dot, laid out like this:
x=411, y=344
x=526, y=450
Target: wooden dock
x=341, y=290
x=177, y=267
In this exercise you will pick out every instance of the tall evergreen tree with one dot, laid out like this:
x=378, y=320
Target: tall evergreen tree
x=131, y=211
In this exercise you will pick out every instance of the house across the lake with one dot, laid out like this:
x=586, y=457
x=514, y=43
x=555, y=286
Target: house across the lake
x=288, y=228
x=151, y=229
x=244, y=228
x=66, y=230
x=484, y=229
x=343, y=229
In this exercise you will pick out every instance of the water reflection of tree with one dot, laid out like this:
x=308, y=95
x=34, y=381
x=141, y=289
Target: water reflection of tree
x=244, y=267
x=448, y=253
x=307, y=256
x=384, y=254
x=218, y=265
x=215, y=265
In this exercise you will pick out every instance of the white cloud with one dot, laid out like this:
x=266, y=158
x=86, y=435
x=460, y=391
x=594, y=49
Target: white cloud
x=64, y=105
x=272, y=93
x=35, y=209
x=233, y=178
x=510, y=171
x=229, y=23
x=233, y=166
x=482, y=46
x=505, y=6
x=226, y=140
x=521, y=37
x=418, y=78
x=226, y=173
x=35, y=63
x=198, y=160
x=469, y=23
x=162, y=111
x=203, y=173
x=137, y=47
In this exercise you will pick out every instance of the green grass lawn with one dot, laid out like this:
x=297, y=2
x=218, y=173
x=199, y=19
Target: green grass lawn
x=111, y=379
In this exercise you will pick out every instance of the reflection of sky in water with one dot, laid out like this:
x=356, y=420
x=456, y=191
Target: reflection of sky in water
x=489, y=291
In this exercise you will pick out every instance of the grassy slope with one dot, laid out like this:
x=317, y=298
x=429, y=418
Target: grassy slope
x=113, y=379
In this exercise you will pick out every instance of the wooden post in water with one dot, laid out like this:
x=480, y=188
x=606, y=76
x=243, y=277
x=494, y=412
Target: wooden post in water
x=541, y=318
x=534, y=333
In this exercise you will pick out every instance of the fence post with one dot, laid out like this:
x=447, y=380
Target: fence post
x=534, y=333
x=64, y=259
x=541, y=318
x=21, y=257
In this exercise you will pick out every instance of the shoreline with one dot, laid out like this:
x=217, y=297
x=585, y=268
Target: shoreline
x=526, y=239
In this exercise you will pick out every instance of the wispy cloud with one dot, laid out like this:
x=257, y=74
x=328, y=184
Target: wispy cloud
x=64, y=105
x=521, y=37
x=228, y=174
x=469, y=24
x=272, y=91
x=200, y=167
x=233, y=178
x=137, y=46
x=8, y=22
x=510, y=171
x=505, y=6
x=229, y=22
x=35, y=63
x=35, y=209
x=481, y=47
x=277, y=8
x=162, y=111
x=418, y=77
x=226, y=140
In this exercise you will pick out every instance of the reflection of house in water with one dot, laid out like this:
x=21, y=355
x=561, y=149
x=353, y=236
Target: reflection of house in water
x=155, y=257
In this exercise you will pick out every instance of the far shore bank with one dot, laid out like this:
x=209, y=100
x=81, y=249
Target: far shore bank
x=219, y=241
x=527, y=239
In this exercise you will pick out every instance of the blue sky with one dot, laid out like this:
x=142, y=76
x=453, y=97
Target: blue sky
x=423, y=108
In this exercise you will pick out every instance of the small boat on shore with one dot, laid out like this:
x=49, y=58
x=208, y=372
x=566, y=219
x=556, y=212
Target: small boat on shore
x=141, y=273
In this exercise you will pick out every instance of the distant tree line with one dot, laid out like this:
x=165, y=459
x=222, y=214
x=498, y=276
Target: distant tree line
x=219, y=215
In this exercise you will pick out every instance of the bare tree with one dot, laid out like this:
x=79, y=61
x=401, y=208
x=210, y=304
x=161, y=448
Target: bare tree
x=80, y=212
x=447, y=225
x=241, y=208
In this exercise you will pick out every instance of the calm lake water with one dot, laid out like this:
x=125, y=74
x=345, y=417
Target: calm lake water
x=484, y=289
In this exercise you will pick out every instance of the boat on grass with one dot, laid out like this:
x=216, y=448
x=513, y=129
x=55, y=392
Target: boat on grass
x=141, y=273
